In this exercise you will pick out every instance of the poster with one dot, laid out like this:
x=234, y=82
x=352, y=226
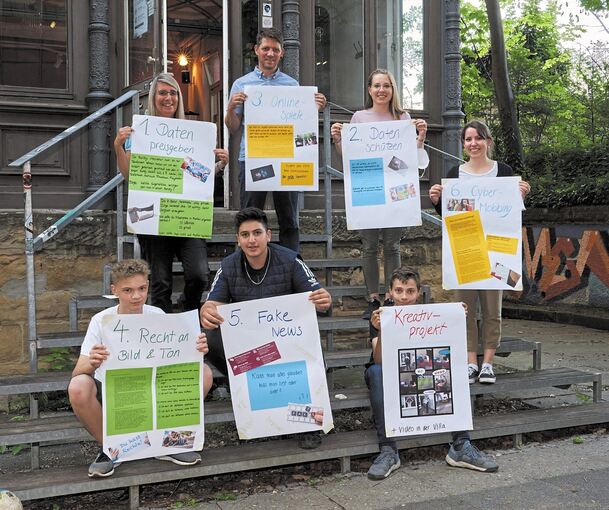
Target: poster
x=152, y=385
x=171, y=177
x=281, y=136
x=424, y=357
x=380, y=165
x=482, y=233
x=275, y=366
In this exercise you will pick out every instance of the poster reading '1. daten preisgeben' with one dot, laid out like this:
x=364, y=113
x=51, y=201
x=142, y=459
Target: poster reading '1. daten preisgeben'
x=171, y=177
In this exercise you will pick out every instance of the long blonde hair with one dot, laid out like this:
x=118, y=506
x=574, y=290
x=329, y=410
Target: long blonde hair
x=171, y=81
x=395, y=108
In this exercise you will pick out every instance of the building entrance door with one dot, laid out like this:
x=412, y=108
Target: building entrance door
x=184, y=38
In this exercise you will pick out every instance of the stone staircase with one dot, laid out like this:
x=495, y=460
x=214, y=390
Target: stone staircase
x=344, y=342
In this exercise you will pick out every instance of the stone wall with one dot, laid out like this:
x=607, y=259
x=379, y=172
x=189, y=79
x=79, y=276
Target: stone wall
x=70, y=264
x=566, y=257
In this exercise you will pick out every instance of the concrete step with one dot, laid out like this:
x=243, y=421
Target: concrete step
x=52, y=482
x=68, y=428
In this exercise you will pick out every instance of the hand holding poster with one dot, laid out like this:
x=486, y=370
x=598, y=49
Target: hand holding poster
x=281, y=132
x=424, y=358
x=152, y=385
x=171, y=177
x=381, y=175
x=482, y=233
x=275, y=366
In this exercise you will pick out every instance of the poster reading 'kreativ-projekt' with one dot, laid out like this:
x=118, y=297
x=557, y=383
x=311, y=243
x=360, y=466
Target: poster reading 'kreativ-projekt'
x=171, y=177
x=152, y=386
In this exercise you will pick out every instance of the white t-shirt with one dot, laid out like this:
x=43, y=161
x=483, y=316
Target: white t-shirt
x=94, y=331
x=464, y=174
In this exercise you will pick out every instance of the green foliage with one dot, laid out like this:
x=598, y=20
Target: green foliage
x=13, y=449
x=568, y=177
x=58, y=359
x=189, y=502
x=225, y=496
x=562, y=97
x=578, y=440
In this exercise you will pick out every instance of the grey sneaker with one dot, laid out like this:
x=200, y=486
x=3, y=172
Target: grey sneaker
x=472, y=374
x=471, y=458
x=487, y=376
x=387, y=461
x=182, y=459
x=102, y=465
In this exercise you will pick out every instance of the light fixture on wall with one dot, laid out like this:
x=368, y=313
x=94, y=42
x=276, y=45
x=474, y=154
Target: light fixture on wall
x=182, y=60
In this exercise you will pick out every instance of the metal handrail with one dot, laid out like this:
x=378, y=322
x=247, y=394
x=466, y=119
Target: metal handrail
x=33, y=243
x=42, y=148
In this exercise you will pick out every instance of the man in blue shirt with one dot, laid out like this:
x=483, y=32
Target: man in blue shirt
x=269, y=50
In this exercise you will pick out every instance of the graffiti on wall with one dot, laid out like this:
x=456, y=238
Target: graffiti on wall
x=566, y=266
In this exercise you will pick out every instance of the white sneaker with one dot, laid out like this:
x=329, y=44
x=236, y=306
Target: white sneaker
x=487, y=376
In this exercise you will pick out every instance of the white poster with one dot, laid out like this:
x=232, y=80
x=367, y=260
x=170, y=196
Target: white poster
x=281, y=137
x=425, y=382
x=171, y=177
x=275, y=366
x=152, y=385
x=482, y=233
x=380, y=165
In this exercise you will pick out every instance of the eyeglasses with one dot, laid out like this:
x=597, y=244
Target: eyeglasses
x=165, y=93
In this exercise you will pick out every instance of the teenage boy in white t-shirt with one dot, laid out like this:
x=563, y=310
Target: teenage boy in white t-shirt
x=129, y=282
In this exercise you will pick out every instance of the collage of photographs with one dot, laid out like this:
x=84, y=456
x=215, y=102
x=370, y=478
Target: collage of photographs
x=425, y=382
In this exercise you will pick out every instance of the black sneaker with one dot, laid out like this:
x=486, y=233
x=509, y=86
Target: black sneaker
x=102, y=466
x=487, y=376
x=472, y=373
x=389, y=302
x=309, y=440
x=375, y=304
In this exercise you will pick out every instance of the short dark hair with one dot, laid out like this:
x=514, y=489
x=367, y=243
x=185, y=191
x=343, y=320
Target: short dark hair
x=403, y=274
x=127, y=268
x=270, y=33
x=251, y=213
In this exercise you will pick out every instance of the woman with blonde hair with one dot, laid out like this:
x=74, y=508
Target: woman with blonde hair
x=382, y=104
x=165, y=100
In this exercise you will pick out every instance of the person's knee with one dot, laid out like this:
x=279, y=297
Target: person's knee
x=374, y=376
x=81, y=390
x=208, y=379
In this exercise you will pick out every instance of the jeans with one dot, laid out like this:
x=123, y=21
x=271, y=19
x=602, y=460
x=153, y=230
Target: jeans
x=374, y=381
x=216, y=355
x=159, y=251
x=370, y=259
x=286, y=207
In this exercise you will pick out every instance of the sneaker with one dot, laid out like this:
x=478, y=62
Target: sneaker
x=182, y=459
x=387, y=462
x=389, y=302
x=487, y=376
x=309, y=440
x=375, y=304
x=471, y=458
x=102, y=465
x=472, y=373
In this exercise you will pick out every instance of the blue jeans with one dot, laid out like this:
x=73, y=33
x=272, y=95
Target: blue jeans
x=374, y=381
x=286, y=207
x=159, y=251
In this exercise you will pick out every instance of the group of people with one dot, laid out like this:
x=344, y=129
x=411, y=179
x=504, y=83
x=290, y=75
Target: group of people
x=259, y=269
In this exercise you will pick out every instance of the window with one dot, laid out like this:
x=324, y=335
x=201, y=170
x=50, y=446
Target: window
x=339, y=51
x=400, y=47
x=33, y=43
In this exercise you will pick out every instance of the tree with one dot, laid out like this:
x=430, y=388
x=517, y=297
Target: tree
x=503, y=88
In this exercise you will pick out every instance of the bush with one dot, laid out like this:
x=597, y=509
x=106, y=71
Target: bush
x=562, y=178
